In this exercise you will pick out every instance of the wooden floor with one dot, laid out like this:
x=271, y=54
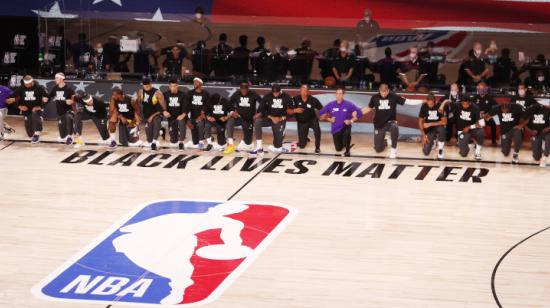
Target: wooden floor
x=355, y=242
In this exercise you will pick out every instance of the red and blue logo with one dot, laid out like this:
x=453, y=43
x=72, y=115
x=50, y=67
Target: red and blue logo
x=169, y=253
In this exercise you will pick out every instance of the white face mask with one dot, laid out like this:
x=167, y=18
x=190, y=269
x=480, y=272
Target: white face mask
x=342, y=49
x=413, y=55
x=99, y=50
x=198, y=16
x=454, y=93
x=493, y=46
x=367, y=18
x=477, y=53
x=540, y=78
x=521, y=92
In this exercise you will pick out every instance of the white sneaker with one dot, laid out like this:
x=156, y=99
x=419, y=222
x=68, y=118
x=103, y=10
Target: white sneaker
x=62, y=140
x=388, y=140
x=146, y=145
x=543, y=162
x=191, y=145
x=440, y=155
x=243, y=147
x=138, y=143
x=477, y=156
x=393, y=153
x=271, y=148
x=218, y=147
x=173, y=145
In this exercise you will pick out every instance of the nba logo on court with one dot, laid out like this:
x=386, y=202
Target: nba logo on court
x=169, y=253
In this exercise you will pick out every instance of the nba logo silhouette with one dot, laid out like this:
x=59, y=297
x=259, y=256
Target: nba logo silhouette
x=169, y=253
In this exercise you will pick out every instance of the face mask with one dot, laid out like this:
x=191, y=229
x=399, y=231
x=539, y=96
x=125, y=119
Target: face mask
x=454, y=93
x=540, y=78
x=99, y=50
x=521, y=92
x=477, y=53
x=343, y=49
x=413, y=55
x=493, y=46
x=198, y=16
x=367, y=18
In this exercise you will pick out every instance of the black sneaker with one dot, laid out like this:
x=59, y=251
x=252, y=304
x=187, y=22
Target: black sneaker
x=112, y=145
x=181, y=146
x=69, y=140
x=208, y=147
x=153, y=146
x=317, y=151
x=515, y=159
x=35, y=139
x=347, y=154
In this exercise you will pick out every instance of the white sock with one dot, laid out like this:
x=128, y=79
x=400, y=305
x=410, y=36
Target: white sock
x=440, y=145
x=230, y=141
x=37, y=133
x=112, y=136
x=209, y=140
x=258, y=144
x=478, y=149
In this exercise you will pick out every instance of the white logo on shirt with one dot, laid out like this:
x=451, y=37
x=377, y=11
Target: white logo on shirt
x=174, y=102
x=90, y=108
x=60, y=95
x=521, y=103
x=507, y=117
x=277, y=103
x=197, y=100
x=244, y=102
x=218, y=109
x=384, y=104
x=123, y=108
x=466, y=115
x=538, y=119
x=433, y=115
x=29, y=96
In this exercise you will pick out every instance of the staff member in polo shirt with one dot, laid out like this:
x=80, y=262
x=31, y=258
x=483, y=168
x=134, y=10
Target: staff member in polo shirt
x=342, y=114
x=304, y=109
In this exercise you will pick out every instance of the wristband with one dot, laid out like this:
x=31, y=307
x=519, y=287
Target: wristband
x=473, y=126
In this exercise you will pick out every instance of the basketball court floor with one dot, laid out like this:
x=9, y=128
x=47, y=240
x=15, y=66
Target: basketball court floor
x=365, y=231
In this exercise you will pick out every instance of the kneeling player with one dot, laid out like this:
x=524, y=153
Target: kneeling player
x=217, y=113
x=30, y=98
x=244, y=104
x=511, y=130
x=63, y=96
x=197, y=99
x=342, y=114
x=153, y=105
x=432, y=121
x=96, y=109
x=304, y=109
x=124, y=112
x=177, y=118
x=469, y=126
x=537, y=119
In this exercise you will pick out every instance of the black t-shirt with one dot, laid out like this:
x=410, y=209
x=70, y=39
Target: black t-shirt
x=275, y=106
x=176, y=102
x=507, y=119
x=538, y=116
x=245, y=105
x=385, y=108
x=150, y=103
x=525, y=102
x=449, y=107
x=197, y=102
x=30, y=97
x=125, y=108
x=466, y=117
x=343, y=64
x=485, y=103
x=98, y=109
x=431, y=114
x=218, y=108
x=60, y=97
x=309, y=107
x=476, y=65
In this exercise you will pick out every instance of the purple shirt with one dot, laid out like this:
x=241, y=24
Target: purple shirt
x=5, y=92
x=341, y=112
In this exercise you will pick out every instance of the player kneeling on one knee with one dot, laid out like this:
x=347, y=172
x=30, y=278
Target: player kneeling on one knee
x=218, y=109
x=385, y=104
x=96, y=110
x=244, y=104
x=272, y=112
x=197, y=99
x=304, y=108
x=153, y=106
x=177, y=114
x=431, y=122
x=63, y=96
x=537, y=119
x=469, y=126
x=125, y=112
x=30, y=98
x=511, y=129
x=342, y=114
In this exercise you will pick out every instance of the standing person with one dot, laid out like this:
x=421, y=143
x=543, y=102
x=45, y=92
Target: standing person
x=385, y=104
x=63, y=96
x=197, y=99
x=244, y=102
x=537, y=120
x=342, y=114
x=451, y=101
x=240, y=58
x=509, y=116
x=125, y=112
x=486, y=102
x=30, y=99
x=96, y=109
x=304, y=107
x=431, y=122
x=476, y=66
x=221, y=63
x=5, y=93
x=469, y=125
x=342, y=67
x=153, y=105
x=272, y=112
x=218, y=110
x=523, y=98
x=177, y=118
